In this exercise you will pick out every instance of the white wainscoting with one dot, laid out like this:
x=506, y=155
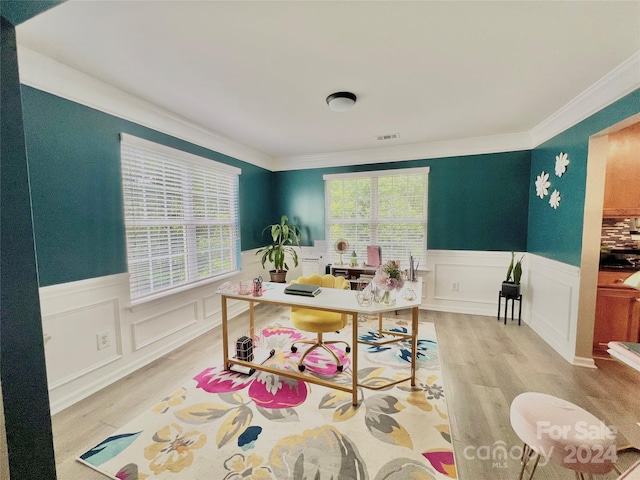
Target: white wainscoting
x=550, y=291
x=476, y=275
x=553, y=293
x=74, y=313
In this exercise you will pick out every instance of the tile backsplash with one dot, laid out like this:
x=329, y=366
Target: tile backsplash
x=615, y=233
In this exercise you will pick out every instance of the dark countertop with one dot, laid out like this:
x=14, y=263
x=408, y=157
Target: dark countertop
x=620, y=260
x=627, y=251
x=630, y=270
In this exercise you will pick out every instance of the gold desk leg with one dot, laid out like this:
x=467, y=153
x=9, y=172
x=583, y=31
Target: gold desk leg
x=251, y=320
x=414, y=344
x=380, y=324
x=354, y=360
x=225, y=341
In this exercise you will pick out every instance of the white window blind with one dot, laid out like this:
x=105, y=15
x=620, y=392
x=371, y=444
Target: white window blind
x=386, y=208
x=181, y=218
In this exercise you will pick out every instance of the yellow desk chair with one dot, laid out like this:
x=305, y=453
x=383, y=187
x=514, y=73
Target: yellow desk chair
x=319, y=321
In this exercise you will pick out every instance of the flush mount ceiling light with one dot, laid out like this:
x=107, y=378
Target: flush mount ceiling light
x=341, y=101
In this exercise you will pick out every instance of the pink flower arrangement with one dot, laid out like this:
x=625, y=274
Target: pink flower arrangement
x=388, y=276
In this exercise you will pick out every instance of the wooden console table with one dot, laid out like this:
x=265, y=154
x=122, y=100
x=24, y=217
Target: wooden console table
x=333, y=300
x=359, y=277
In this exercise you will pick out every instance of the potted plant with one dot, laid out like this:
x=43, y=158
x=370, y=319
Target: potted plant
x=284, y=238
x=511, y=286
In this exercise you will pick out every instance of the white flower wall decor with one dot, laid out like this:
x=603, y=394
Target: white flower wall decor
x=562, y=160
x=542, y=184
x=554, y=200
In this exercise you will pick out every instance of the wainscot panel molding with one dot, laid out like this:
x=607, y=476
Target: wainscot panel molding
x=73, y=314
x=550, y=292
x=154, y=329
x=553, y=294
x=73, y=329
x=464, y=281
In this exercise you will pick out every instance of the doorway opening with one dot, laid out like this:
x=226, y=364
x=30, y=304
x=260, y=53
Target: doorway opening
x=592, y=234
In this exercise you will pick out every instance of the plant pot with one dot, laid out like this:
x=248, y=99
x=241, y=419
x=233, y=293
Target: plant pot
x=510, y=289
x=278, y=276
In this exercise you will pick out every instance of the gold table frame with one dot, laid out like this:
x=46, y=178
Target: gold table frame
x=332, y=300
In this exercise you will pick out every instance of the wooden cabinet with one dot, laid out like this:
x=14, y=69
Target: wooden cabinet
x=622, y=183
x=358, y=276
x=617, y=311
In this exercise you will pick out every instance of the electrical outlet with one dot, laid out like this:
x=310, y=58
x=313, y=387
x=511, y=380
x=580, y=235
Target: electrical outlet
x=104, y=339
x=455, y=286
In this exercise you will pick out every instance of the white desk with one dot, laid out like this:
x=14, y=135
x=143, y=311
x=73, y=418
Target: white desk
x=334, y=300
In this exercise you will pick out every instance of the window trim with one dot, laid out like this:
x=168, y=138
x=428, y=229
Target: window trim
x=175, y=290
x=174, y=152
x=377, y=174
x=194, y=160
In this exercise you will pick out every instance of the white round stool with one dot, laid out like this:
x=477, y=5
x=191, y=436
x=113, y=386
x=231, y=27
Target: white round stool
x=562, y=433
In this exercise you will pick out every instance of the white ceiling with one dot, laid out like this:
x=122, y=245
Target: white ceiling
x=258, y=72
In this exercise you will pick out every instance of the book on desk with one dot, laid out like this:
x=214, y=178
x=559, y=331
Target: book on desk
x=303, y=289
x=374, y=255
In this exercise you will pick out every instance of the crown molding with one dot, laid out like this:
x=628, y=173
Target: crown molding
x=417, y=151
x=621, y=81
x=43, y=73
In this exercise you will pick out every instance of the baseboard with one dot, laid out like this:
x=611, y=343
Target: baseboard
x=586, y=362
x=488, y=312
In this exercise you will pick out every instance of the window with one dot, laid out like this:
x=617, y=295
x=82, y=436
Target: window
x=181, y=218
x=386, y=208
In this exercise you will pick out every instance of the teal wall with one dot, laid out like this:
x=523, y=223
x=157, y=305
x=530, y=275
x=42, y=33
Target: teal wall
x=74, y=164
x=476, y=202
x=23, y=373
x=557, y=234
x=456, y=220
x=18, y=11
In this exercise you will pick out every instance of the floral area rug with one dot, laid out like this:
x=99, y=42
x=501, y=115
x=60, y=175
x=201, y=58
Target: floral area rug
x=229, y=426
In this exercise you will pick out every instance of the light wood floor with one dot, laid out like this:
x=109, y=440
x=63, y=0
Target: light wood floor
x=485, y=365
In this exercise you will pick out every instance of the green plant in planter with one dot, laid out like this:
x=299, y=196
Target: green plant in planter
x=284, y=238
x=511, y=286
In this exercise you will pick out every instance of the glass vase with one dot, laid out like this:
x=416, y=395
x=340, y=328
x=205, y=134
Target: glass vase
x=388, y=297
